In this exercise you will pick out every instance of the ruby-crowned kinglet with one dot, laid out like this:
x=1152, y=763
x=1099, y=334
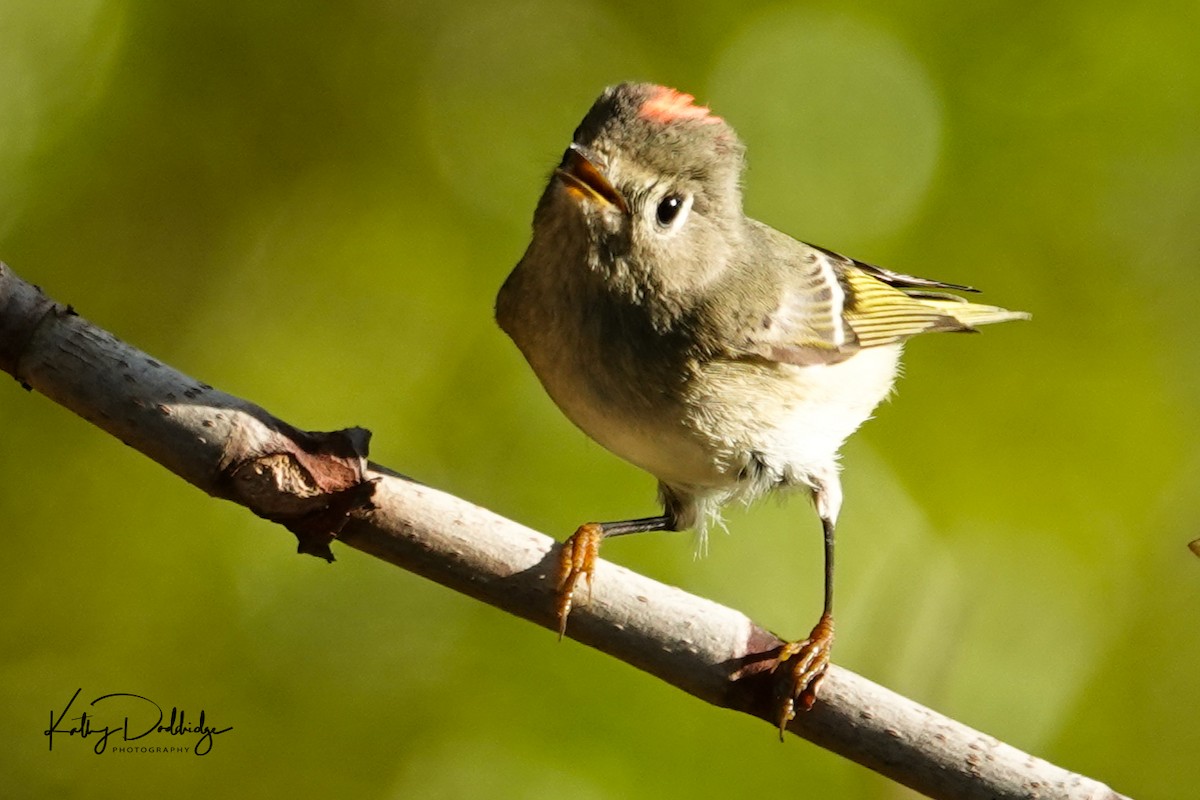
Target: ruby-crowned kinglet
x=716, y=353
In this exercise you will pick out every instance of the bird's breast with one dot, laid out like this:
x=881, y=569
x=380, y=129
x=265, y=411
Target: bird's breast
x=645, y=393
x=786, y=418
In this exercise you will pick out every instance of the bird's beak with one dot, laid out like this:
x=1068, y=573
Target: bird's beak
x=583, y=179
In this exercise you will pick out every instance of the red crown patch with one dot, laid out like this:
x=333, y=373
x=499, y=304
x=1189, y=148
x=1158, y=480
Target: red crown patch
x=669, y=105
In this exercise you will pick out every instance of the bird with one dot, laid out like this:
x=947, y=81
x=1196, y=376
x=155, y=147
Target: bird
x=725, y=358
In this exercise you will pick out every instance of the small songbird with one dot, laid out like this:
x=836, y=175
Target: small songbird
x=721, y=356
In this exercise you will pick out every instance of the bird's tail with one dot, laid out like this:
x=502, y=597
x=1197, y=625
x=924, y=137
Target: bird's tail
x=889, y=307
x=971, y=315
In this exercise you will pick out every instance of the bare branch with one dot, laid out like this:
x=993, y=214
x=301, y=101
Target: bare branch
x=321, y=487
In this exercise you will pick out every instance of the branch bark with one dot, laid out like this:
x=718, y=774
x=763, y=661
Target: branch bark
x=321, y=486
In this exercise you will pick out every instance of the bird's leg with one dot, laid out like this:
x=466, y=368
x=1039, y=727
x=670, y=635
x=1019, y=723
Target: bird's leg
x=803, y=663
x=578, y=555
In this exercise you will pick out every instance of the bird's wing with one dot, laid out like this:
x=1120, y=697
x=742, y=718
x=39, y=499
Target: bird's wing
x=804, y=321
x=831, y=306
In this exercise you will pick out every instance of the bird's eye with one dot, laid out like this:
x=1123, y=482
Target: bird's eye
x=668, y=209
x=672, y=210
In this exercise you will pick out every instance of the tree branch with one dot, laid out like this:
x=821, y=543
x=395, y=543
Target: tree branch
x=321, y=487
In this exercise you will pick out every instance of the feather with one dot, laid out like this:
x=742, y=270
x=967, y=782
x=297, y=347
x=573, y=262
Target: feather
x=880, y=313
x=830, y=307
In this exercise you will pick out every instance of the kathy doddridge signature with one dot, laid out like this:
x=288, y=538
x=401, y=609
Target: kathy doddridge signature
x=142, y=717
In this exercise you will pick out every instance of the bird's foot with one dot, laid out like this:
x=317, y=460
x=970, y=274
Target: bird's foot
x=576, y=560
x=803, y=665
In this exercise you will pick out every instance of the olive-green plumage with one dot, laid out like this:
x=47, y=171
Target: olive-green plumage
x=708, y=344
x=722, y=356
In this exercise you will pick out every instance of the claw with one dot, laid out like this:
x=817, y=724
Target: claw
x=576, y=560
x=805, y=663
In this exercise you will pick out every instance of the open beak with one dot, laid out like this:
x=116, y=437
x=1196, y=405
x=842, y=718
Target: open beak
x=584, y=180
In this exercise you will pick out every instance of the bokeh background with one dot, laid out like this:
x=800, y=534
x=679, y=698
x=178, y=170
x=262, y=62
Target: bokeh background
x=312, y=205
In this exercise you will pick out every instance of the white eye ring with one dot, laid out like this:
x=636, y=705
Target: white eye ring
x=671, y=211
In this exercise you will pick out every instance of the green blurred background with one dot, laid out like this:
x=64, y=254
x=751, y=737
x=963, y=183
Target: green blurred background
x=312, y=205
